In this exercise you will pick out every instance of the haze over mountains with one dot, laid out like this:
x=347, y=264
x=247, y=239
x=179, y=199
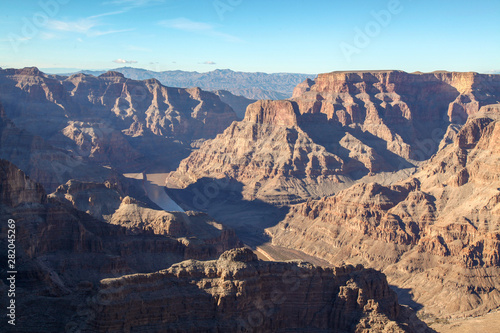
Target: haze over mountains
x=390, y=178
x=250, y=85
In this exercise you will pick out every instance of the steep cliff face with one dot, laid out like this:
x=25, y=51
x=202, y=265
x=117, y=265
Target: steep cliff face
x=62, y=253
x=16, y=188
x=184, y=113
x=237, y=292
x=163, y=111
x=111, y=119
x=398, y=97
x=337, y=129
x=109, y=203
x=268, y=159
x=238, y=103
x=60, y=250
x=44, y=219
x=43, y=162
x=437, y=233
x=100, y=142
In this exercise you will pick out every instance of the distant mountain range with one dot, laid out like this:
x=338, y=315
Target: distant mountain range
x=250, y=85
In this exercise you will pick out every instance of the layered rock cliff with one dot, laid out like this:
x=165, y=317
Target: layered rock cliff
x=238, y=293
x=110, y=203
x=436, y=233
x=397, y=97
x=44, y=163
x=337, y=129
x=272, y=158
x=61, y=251
x=111, y=119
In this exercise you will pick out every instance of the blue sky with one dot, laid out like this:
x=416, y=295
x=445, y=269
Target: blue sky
x=252, y=35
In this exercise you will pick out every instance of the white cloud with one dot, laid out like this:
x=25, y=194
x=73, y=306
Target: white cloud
x=206, y=29
x=47, y=35
x=208, y=63
x=86, y=26
x=82, y=26
x=186, y=25
x=122, y=61
x=97, y=33
x=107, y=14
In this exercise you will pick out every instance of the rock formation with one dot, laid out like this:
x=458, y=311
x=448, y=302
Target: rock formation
x=337, y=129
x=394, y=171
x=436, y=233
x=238, y=293
x=111, y=119
x=61, y=251
x=44, y=163
x=238, y=103
x=110, y=203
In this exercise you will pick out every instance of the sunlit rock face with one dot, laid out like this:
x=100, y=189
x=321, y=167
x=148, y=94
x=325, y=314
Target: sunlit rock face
x=110, y=119
x=437, y=232
x=337, y=129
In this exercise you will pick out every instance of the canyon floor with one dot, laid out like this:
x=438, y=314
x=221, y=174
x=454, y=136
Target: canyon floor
x=487, y=323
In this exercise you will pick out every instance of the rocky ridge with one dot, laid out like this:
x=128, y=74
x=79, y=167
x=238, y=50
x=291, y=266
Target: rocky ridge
x=44, y=163
x=250, y=85
x=337, y=129
x=109, y=118
x=110, y=203
x=237, y=292
x=436, y=233
x=61, y=251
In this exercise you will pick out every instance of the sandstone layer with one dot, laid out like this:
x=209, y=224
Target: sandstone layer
x=436, y=234
x=44, y=163
x=61, y=251
x=238, y=293
x=337, y=129
x=111, y=119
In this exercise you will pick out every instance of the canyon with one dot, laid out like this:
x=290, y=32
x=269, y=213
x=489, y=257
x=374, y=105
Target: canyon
x=62, y=251
x=337, y=130
x=436, y=233
x=391, y=170
x=138, y=205
x=112, y=120
x=75, y=273
x=239, y=293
